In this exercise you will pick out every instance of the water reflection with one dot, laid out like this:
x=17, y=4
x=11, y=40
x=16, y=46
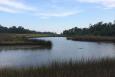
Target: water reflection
x=24, y=48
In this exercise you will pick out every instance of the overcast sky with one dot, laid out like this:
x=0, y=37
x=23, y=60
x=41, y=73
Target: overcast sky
x=55, y=15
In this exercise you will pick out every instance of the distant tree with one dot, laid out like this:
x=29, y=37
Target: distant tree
x=15, y=29
x=21, y=30
x=99, y=29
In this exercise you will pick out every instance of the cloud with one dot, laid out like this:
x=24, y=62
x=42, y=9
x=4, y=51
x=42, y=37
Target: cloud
x=56, y=14
x=8, y=10
x=14, y=6
x=105, y=3
x=17, y=6
x=58, y=8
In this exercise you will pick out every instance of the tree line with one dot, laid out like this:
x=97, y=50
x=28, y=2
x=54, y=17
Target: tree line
x=15, y=29
x=98, y=29
x=21, y=30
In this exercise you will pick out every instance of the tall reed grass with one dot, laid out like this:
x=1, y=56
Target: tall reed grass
x=94, y=68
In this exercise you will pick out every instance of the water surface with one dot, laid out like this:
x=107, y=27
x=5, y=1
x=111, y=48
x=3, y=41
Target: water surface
x=62, y=49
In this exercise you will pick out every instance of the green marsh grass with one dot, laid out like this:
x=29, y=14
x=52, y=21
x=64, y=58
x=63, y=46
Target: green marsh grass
x=22, y=39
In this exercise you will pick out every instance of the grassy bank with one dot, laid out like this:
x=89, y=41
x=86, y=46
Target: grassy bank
x=101, y=68
x=92, y=38
x=22, y=39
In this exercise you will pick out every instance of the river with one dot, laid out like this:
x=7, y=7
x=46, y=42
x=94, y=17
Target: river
x=62, y=50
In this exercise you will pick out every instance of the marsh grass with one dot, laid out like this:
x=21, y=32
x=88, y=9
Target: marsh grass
x=22, y=39
x=94, y=68
x=92, y=38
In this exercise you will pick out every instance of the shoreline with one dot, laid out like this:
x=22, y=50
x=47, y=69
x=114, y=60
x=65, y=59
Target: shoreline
x=24, y=47
x=92, y=38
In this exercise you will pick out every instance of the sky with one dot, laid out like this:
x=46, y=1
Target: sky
x=55, y=15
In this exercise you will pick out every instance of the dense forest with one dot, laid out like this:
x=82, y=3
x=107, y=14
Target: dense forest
x=98, y=29
x=20, y=30
x=15, y=29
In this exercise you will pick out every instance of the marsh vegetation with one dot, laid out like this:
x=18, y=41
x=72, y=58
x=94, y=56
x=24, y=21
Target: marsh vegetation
x=100, y=68
x=92, y=38
x=23, y=39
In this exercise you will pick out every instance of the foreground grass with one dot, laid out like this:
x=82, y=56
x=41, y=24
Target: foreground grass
x=93, y=38
x=101, y=68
